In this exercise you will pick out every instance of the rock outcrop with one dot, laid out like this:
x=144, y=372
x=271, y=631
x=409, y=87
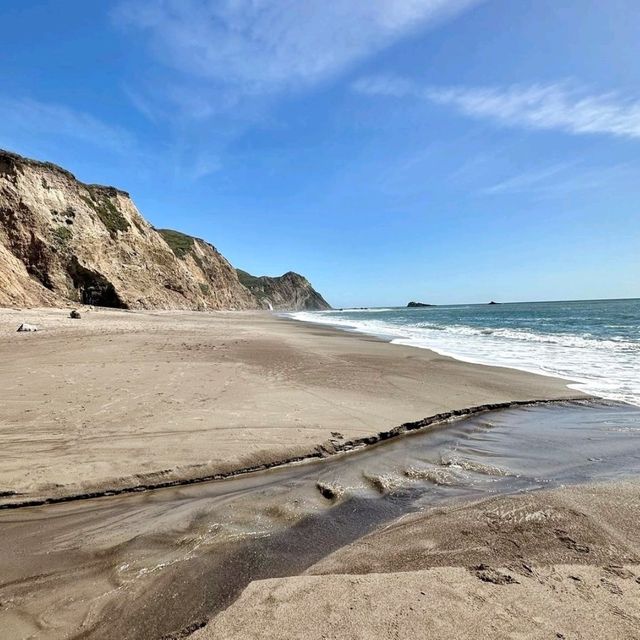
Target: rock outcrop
x=25, y=327
x=413, y=305
x=291, y=292
x=65, y=241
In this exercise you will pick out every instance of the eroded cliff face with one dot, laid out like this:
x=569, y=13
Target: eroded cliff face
x=62, y=240
x=289, y=292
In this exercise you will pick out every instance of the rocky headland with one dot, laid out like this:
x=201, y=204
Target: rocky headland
x=63, y=241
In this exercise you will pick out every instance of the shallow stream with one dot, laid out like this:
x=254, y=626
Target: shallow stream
x=158, y=564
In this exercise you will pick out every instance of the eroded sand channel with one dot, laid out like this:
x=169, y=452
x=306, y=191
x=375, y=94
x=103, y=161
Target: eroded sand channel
x=154, y=564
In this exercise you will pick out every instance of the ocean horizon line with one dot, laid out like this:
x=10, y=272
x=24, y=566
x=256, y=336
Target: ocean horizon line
x=480, y=304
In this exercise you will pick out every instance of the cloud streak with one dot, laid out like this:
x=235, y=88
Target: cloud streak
x=528, y=181
x=262, y=46
x=42, y=118
x=563, y=179
x=538, y=106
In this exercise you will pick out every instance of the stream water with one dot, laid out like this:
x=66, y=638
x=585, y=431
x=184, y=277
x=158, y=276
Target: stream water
x=157, y=564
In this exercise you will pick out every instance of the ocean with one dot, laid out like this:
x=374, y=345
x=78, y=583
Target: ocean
x=595, y=343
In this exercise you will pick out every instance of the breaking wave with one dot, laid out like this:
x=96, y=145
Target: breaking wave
x=603, y=361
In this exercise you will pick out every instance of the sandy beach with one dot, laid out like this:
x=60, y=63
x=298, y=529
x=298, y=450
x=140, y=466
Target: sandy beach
x=122, y=399
x=133, y=400
x=319, y=320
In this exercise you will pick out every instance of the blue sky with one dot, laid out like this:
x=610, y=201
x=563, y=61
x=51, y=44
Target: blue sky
x=440, y=150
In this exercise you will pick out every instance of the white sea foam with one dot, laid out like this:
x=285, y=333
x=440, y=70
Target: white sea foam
x=607, y=368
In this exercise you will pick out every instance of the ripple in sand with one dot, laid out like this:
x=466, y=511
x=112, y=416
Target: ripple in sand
x=384, y=483
x=330, y=490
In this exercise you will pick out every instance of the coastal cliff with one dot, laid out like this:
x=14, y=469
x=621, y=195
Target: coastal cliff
x=65, y=241
x=290, y=291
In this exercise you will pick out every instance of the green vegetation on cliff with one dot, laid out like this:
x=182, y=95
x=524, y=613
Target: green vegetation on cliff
x=108, y=213
x=62, y=235
x=247, y=279
x=288, y=291
x=180, y=243
x=253, y=283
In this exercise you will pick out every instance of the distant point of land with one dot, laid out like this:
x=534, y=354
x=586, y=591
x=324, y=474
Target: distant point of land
x=420, y=304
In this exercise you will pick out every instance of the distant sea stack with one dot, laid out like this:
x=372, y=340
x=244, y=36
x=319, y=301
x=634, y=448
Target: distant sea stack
x=63, y=241
x=413, y=305
x=492, y=302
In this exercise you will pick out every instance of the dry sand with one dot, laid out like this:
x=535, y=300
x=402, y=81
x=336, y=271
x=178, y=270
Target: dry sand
x=122, y=399
x=118, y=399
x=551, y=564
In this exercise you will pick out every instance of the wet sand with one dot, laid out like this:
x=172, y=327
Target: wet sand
x=554, y=564
x=121, y=399
x=161, y=564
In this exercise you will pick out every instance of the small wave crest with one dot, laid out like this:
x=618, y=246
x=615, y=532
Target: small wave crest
x=440, y=477
x=383, y=483
x=584, y=340
x=472, y=465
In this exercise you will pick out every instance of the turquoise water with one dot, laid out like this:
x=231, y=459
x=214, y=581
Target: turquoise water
x=595, y=343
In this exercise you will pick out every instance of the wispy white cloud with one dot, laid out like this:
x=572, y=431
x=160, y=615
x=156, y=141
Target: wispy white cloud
x=528, y=180
x=562, y=179
x=538, y=106
x=145, y=106
x=387, y=86
x=264, y=46
x=41, y=118
x=547, y=107
x=198, y=167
